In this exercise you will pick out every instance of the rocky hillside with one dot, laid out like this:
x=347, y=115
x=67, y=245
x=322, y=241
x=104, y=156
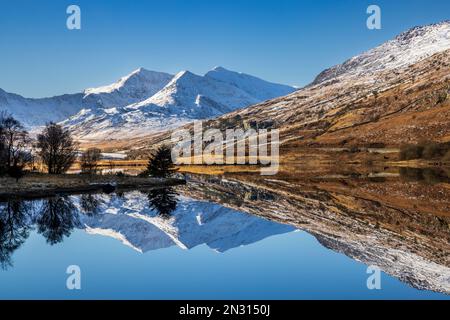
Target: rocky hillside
x=396, y=93
x=368, y=100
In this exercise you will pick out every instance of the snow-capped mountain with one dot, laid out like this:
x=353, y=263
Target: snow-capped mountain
x=144, y=102
x=257, y=88
x=185, y=98
x=406, y=49
x=137, y=86
x=36, y=112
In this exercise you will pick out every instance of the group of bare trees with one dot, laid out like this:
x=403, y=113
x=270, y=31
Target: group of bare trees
x=57, y=151
x=14, y=146
x=55, y=147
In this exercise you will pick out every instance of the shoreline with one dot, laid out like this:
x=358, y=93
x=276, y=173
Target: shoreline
x=35, y=186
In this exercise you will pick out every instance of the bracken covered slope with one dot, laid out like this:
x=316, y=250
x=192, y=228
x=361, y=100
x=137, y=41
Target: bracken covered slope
x=396, y=93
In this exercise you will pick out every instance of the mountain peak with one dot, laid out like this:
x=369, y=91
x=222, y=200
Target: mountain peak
x=219, y=69
x=137, y=86
x=435, y=31
x=406, y=49
x=185, y=76
x=185, y=98
x=140, y=79
x=140, y=69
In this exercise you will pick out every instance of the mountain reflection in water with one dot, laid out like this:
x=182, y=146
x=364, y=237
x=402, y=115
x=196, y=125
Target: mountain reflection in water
x=397, y=220
x=145, y=221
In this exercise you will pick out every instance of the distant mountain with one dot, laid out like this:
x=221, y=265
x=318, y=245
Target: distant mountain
x=135, y=87
x=257, y=88
x=185, y=98
x=36, y=112
x=143, y=102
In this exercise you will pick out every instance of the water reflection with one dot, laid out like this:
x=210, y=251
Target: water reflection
x=14, y=229
x=90, y=204
x=163, y=201
x=144, y=220
x=386, y=218
x=426, y=175
x=57, y=219
x=399, y=225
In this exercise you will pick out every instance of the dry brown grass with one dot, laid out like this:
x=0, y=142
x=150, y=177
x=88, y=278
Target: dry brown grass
x=37, y=183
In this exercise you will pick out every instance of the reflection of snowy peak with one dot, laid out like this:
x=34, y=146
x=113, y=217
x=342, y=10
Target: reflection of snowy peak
x=193, y=223
x=185, y=98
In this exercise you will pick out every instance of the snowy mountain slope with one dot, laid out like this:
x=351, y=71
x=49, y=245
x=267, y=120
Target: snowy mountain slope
x=36, y=112
x=196, y=97
x=144, y=102
x=345, y=103
x=137, y=86
x=369, y=99
x=185, y=98
x=260, y=89
x=406, y=49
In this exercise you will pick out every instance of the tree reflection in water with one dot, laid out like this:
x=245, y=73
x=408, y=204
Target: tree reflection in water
x=163, y=201
x=90, y=204
x=57, y=219
x=14, y=228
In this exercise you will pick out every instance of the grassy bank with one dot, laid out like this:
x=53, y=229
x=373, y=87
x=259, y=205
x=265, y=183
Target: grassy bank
x=42, y=185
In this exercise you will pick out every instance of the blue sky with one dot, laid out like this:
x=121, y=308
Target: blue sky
x=286, y=41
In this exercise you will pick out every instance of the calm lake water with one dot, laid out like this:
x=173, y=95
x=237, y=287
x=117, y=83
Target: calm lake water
x=169, y=244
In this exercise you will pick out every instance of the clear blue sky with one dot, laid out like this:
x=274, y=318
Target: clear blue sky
x=287, y=41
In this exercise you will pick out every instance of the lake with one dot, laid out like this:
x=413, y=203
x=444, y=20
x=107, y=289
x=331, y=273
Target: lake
x=229, y=237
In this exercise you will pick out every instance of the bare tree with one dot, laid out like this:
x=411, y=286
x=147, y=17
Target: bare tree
x=57, y=149
x=3, y=156
x=14, y=145
x=14, y=228
x=89, y=160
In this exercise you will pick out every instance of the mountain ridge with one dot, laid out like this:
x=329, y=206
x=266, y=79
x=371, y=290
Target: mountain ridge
x=143, y=101
x=185, y=98
x=407, y=48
